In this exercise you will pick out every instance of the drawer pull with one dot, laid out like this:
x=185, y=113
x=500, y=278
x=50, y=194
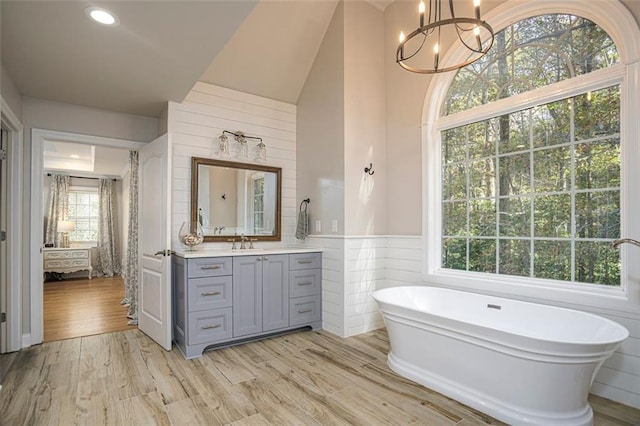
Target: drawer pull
x=210, y=293
x=304, y=311
x=306, y=283
x=207, y=327
x=211, y=267
x=304, y=261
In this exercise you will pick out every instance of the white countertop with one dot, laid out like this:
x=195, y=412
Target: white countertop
x=204, y=252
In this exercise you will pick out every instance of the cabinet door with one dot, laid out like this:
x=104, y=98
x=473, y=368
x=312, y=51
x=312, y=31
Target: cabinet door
x=247, y=295
x=275, y=292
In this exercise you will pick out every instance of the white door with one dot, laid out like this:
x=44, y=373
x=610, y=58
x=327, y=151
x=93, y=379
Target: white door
x=154, y=236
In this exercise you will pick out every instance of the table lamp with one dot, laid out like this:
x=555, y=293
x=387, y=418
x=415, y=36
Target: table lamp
x=64, y=227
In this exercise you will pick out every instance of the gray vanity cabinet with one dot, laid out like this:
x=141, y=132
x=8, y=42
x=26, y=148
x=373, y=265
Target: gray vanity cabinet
x=260, y=294
x=220, y=301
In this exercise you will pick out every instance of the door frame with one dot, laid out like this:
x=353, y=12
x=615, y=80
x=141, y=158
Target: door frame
x=12, y=331
x=38, y=138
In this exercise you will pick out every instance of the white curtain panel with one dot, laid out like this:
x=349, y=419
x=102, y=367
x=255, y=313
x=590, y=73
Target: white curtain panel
x=58, y=208
x=131, y=261
x=107, y=238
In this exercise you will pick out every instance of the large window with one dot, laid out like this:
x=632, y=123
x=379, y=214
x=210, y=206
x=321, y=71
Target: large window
x=534, y=191
x=83, y=211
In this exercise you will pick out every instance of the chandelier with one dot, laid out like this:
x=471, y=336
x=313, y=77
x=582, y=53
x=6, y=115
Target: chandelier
x=420, y=51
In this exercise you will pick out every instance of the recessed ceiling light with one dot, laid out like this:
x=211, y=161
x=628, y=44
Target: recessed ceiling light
x=102, y=16
x=75, y=156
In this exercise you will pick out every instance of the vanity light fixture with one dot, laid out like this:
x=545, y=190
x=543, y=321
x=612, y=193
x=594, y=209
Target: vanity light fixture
x=243, y=149
x=474, y=33
x=102, y=16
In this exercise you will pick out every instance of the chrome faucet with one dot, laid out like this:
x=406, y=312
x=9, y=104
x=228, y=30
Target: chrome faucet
x=616, y=243
x=243, y=242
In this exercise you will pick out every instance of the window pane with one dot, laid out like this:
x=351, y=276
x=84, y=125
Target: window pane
x=515, y=217
x=551, y=124
x=598, y=214
x=596, y=263
x=552, y=259
x=482, y=255
x=454, y=145
x=597, y=113
x=514, y=257
x=598, y=164
x=454, y=218
x=482, y=218
x=514, y=131
x=482, y=181
x=454, y=253
x=552, y=170
x=515, y=174
x=481, y=139
x=552, y=215
x=454, y=182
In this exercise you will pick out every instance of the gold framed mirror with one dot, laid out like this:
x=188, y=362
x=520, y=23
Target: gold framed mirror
x=230, y=199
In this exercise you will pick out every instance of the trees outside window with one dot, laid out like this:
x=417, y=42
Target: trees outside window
x=534, y=191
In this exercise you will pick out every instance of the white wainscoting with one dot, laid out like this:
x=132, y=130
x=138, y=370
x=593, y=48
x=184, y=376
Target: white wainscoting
x=195, y=125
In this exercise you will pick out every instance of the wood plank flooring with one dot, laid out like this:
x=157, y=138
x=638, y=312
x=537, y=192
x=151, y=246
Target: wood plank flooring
x=83, y=307
x=309, y=378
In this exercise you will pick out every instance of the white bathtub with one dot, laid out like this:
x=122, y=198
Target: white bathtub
x=522, y=363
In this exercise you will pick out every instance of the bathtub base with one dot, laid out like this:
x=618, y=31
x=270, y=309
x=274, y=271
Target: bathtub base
x=482, y=402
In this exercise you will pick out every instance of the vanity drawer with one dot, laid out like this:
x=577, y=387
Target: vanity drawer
x=209, y=293
x=305, y=282
x=209, y=267
x=305, y=261
x=303, y=310
x=210, y=326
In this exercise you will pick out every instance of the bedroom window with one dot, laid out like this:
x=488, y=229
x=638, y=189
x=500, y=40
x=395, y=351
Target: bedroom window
x=530, y=162
x=83, y=211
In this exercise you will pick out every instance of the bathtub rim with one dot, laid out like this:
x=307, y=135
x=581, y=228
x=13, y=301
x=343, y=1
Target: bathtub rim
x=376, y=296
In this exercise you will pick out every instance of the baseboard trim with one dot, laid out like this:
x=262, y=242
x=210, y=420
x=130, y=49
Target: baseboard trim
x=26, y=340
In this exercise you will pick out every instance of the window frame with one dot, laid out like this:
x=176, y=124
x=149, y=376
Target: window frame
x=613, y=17
x=85, y=189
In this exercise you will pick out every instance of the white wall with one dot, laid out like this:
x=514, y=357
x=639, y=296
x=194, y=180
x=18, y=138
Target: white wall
x=195, y=125
x=10, y=93
x=320, y=149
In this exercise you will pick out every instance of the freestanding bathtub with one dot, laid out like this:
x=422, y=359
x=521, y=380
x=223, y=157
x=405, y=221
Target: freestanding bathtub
x=522, y=363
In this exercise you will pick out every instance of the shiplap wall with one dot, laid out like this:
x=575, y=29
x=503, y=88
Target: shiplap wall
x=195, y=126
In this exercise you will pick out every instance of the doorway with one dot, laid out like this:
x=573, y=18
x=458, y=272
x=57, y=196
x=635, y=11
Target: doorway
x=75, y=298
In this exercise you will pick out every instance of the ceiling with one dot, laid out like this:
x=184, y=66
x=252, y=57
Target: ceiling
x=84, y=160
x=161, y=49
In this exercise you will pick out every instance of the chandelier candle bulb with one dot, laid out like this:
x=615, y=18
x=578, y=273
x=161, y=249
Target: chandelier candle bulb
x=476, y=6
x=421, y=11
x=401, y=38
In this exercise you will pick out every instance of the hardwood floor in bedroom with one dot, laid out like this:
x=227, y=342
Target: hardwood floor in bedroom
x=309, y=378
x=83, y=307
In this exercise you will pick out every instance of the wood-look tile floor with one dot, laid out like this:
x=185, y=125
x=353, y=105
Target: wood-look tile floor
x=309, y=378
x=82, y=307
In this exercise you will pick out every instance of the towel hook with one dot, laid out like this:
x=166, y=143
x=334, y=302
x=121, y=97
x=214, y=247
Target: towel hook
x=369, y=170
x=304, y=203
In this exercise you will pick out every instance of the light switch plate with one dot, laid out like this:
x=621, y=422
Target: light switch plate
x=318, y=226
x=334, y=225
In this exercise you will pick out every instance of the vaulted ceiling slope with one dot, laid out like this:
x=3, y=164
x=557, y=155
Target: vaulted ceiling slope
x=161, y=49
x=157, y=53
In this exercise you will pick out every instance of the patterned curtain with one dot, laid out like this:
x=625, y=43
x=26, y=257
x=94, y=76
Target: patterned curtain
x=58, y=208
x=131, y=261
x=107, y=249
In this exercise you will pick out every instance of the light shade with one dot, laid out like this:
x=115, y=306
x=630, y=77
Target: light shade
x=66, y=226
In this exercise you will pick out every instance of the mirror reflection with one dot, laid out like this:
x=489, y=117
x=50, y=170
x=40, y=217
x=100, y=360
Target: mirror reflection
x=230, y=199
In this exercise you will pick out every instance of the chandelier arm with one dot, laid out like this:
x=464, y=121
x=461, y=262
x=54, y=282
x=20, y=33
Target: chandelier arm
x=414, y=53
x=429, y=28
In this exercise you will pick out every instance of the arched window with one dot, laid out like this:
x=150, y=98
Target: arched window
x=524, y=153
